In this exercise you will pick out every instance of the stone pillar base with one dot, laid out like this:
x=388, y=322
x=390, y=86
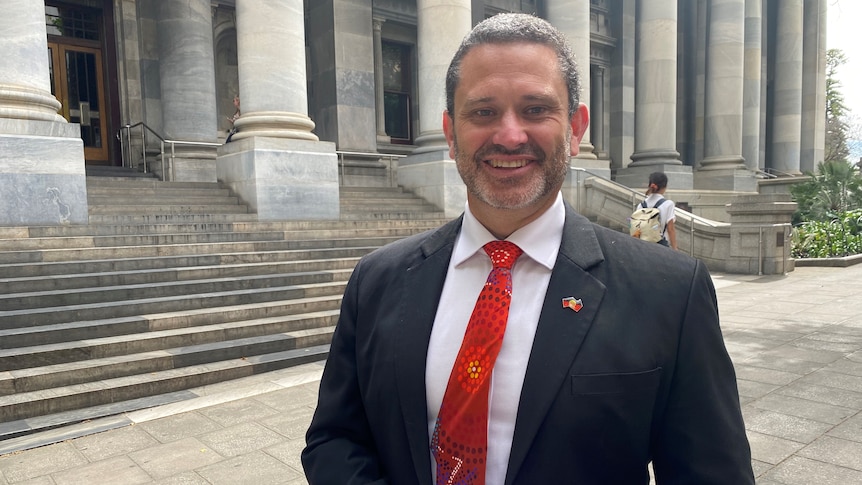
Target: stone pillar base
x=760, y=234
x=736, y=179
x=188, y=164
x=282, y=179
x=42, y=173
x=434, y=177
x=679, y=177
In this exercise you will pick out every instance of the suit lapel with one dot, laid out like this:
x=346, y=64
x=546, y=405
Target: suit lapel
x=423, y=284
x=560, y=332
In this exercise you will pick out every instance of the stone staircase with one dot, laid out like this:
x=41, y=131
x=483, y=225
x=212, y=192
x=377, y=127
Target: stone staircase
x=173, y=286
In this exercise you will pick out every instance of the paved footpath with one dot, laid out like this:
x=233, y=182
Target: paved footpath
x=796, y=341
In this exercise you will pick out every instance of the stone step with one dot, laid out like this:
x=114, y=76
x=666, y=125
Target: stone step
x=209, y=209
x=152, y=251
x=32, y=317
x=255, y=338
x=407, y=215
x=304, y=228
x=56, y=344
x=80, y=342
x=178, y=199
x=100, y=193
x=97, y=183
x=70, y=267
x=156, y=289
x=199, y=237
x=25, y=405
x=12, y=433
x=54, y=282
x=134, y=218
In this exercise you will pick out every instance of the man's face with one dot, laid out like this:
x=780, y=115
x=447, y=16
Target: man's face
x=510, y=134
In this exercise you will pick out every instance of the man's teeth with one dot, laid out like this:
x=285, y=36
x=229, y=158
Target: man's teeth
x=507, y=163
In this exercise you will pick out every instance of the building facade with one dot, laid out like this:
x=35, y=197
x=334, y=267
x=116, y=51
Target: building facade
x=713, y=92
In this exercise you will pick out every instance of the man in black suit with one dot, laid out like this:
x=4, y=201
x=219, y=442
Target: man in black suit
x=612, y=357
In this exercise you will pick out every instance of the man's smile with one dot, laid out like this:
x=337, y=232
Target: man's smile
x=496, y=163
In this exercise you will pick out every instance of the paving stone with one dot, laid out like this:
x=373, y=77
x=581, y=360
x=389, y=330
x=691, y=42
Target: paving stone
x=179, y=426
x=176, y=457
x=783, y=425
x=120, y=441
x=242, y=438
x=754, y=389
x=851, y=429
x=288, y=452
x=804, y=471
x=236, y=412
x=796, y=366
x=119, y=470
x=766, y=376
x=835, y=380
x=792, y=352
x=760, y=467
x=803, y=408
x=288, y=400
x=185, y=478
x=17, y=467
x=828, y=395
x=770, y=449
x=249, y=469
x=292, y=425
x=835, y=451
x=846, y=366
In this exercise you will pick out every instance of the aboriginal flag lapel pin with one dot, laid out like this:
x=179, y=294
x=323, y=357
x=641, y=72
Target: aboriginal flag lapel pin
x=574, y=303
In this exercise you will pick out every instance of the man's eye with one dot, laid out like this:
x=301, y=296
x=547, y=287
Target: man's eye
x=484, y=112
x=536, y=110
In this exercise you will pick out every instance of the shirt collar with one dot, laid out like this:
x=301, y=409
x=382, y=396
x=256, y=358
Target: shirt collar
x=540, y=239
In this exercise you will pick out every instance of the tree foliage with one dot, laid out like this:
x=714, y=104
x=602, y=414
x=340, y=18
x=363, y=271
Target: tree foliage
x=837, y=128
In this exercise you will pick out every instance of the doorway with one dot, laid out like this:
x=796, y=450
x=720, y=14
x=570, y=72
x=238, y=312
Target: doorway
x=77, y=74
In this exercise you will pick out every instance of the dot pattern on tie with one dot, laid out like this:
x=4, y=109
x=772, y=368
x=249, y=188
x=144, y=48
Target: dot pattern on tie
x=460, y=440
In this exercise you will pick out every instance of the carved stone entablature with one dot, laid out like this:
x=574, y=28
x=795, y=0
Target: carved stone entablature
x=600, y=53
x=600, y=23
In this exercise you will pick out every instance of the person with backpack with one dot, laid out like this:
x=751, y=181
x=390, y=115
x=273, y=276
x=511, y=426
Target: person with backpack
x=653, y=220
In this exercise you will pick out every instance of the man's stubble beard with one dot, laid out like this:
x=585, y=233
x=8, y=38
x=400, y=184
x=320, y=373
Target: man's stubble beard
x=554, y=170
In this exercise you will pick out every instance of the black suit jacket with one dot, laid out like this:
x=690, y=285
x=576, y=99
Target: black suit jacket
x=639, y=374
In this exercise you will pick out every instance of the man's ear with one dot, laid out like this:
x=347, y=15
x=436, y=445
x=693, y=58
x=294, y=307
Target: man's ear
x=449, y=131
x=580, y=121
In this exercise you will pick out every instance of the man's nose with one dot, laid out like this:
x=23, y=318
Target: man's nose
x=510, y=132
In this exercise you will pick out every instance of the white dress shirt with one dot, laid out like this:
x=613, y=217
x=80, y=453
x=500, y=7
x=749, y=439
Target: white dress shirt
x=468, y=270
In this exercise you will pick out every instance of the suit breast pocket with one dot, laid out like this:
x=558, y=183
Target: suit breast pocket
x=611, y=414
x=621, y=384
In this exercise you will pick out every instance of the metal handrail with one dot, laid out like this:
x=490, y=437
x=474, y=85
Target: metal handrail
x=390, y=157
x=128, y=145
x=162, y=141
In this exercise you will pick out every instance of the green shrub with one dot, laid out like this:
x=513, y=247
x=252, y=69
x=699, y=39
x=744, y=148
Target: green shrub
x=840, y=236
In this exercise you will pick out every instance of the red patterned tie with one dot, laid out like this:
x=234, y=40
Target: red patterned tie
x=460, y=440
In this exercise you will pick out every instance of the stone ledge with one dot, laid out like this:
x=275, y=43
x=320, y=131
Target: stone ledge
x=830, y=262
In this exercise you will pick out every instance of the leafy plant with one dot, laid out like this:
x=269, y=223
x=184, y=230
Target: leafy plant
x=841, y=236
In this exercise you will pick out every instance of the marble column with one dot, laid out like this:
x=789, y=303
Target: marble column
x=378, y=82
x=275, y=163
x=751, y=133
x=187, y=80
x=621, y=86
x=428, y=171
x=787, y=113
x=572, y=17
x=42, y=171
x=655, y=99
x=722, y=167
x=813, y=86
x=597, y=111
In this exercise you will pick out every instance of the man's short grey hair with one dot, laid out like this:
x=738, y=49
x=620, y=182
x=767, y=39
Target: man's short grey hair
x=511, y=28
